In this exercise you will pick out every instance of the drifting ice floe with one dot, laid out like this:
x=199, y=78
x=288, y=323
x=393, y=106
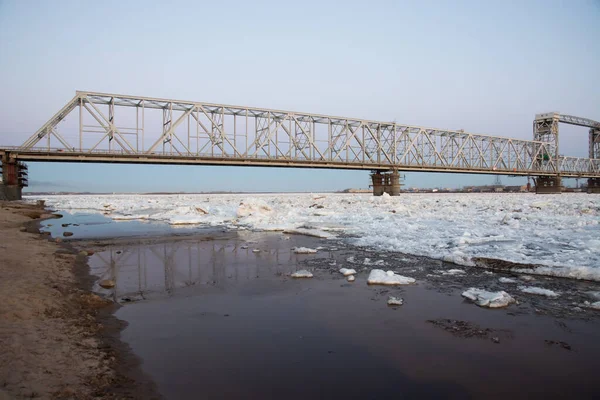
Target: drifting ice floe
x=507, y=280
x=304, y=250
x=517, y=228
x=395, y=301
x=454, y=272
x=350, y=278
x=538, y=290
x=347, y=272
x=483, y=298
x=380, y=277
x=302, y=274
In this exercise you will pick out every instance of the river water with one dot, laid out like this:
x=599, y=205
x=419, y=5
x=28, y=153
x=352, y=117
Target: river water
x=214, y=314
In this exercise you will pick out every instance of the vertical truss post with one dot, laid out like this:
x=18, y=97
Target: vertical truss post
x=595, y=143
x=80, y=124
x=545, y=129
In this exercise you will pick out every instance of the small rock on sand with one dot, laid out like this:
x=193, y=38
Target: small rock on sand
x=67, y=234
x=107, y=283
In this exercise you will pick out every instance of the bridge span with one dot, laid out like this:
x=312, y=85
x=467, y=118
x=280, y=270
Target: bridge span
x=112, y=128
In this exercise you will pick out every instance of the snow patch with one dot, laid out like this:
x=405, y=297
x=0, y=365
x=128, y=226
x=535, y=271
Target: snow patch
x=507, y=280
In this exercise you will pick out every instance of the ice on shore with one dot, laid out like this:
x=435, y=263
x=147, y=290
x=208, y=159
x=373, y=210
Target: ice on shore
x=347, y=272
x=381, y=277
x=304, y=250
x=310, y=232
x=302, y=274
x=538, y=290
x=395, y=301
x=507, y=280
x=584, y=273
x=560, y=233
x=483, y=298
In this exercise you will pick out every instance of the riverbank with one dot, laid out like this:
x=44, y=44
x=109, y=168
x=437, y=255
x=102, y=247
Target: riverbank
x=57, y=339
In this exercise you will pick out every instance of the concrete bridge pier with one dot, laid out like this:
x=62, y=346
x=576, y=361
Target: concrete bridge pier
x=14, y=178
x=386, y=182
x=593, y=185
x=548, y=184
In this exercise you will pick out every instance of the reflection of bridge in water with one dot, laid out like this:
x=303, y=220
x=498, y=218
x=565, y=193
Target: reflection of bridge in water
x=155, y=269
x=113, y=128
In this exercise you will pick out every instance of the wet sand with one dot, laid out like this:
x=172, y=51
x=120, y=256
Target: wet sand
x=211, y=318
x=57, y=339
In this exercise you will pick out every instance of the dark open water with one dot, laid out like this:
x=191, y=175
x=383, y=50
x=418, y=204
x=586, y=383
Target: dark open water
x=212, y=319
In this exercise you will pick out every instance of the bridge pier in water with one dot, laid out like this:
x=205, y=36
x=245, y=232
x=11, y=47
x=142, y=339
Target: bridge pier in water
x=593, y=185
x=548, y=184
x=386, y=182
x=14, y=178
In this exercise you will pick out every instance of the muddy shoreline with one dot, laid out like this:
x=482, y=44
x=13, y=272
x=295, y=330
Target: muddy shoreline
x=58, y=339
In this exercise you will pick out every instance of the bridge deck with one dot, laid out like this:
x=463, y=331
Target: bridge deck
x=98, y=156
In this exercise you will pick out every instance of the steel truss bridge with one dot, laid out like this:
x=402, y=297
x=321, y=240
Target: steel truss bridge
x=114, y=128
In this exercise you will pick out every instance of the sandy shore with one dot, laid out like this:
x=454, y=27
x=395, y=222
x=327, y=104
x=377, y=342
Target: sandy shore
x=55, y=336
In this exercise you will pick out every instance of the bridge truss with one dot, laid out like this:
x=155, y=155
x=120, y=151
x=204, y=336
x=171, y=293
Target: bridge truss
x=133, y=129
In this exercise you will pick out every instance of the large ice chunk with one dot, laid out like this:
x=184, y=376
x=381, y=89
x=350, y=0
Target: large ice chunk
x=253, y=207
x=380, y=277
x=483, y=298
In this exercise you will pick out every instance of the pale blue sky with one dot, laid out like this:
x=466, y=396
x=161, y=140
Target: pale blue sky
x=483, y=66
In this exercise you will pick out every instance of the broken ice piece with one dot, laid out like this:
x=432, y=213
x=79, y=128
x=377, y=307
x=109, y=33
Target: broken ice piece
x=302, y=274
x=346, y=271
x=483, y=298
x=380, y=277
x=304, y=250
x=395, y=301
